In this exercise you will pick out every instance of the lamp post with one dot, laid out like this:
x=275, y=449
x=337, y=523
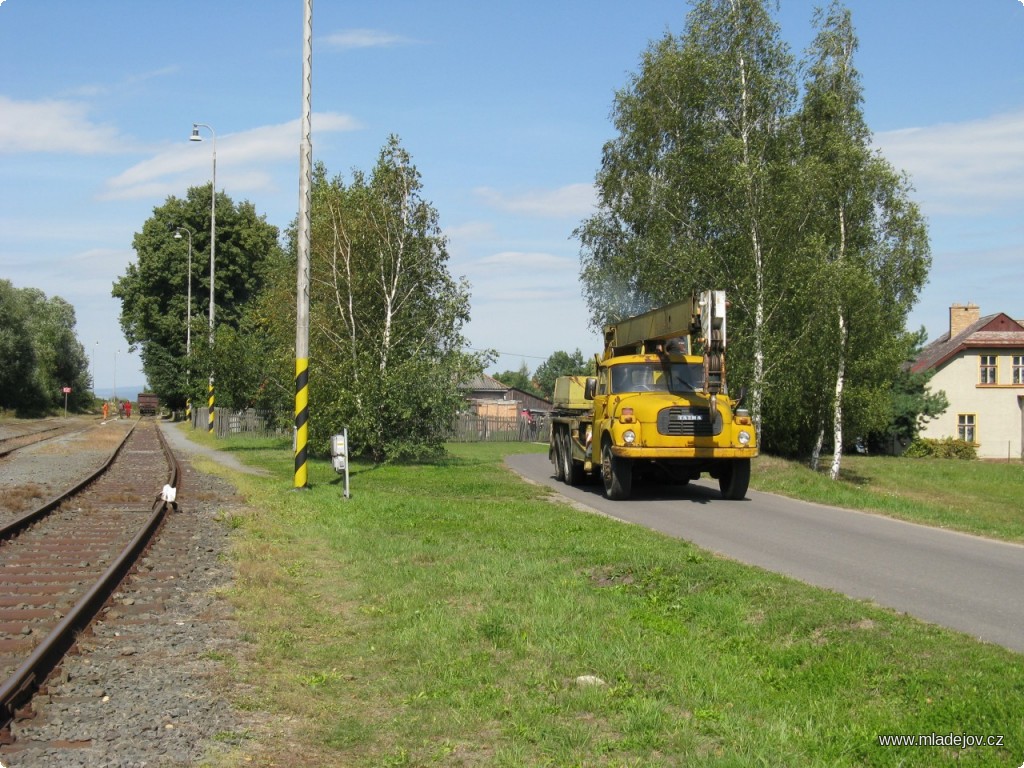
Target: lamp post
x=188, y=326
x=213, y=243
x=93, y=372
x=188, y=306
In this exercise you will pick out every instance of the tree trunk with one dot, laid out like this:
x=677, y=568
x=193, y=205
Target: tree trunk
x=818, y=442
x=837, y=426
x=757, y=397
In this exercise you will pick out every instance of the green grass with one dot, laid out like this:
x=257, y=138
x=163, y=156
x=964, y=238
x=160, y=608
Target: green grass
x=443, y=615
x=977, y=497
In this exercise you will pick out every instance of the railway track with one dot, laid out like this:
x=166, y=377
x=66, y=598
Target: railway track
x=61, y=561
x=14, y=438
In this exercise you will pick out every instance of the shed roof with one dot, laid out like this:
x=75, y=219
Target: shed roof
x=484, y=383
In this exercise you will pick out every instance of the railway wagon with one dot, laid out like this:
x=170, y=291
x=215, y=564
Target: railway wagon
x=149, y=404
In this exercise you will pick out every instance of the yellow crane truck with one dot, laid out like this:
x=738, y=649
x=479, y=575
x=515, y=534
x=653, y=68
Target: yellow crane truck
x=656, y=410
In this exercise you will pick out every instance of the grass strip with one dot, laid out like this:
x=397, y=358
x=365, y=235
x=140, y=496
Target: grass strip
x=450, y=614
x=980, y=497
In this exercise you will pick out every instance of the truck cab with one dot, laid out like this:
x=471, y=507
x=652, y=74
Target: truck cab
x=653, y=420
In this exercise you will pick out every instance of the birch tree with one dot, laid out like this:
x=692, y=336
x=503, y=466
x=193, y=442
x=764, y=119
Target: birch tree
x=871, y=242
x=718, y=178
x=692, y=192
x=386, y=315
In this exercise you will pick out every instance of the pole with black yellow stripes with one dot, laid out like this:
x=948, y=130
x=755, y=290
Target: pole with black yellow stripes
x=303, y=239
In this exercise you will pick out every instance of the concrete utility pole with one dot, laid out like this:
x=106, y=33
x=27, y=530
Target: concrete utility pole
x=213, y=243
x=302, y=291
x=188, y=325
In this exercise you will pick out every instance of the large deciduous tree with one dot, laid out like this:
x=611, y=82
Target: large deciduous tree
x=560, y=364
x=717, y=180
x=692, y=191
x=40, y=353
x=520, y=379
x=385, y=314
x=60, y=358
x=154, y=289
x=17, y=353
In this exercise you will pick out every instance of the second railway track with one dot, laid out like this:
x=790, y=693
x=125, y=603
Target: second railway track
x=60, y=563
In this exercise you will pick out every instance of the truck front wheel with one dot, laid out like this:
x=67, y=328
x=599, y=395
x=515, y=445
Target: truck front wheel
x=735, y=479
x=617, y=475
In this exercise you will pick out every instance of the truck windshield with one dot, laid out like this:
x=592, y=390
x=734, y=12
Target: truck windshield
x=653, y=377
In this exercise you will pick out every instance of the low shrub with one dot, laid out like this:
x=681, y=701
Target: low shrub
x=946, y=448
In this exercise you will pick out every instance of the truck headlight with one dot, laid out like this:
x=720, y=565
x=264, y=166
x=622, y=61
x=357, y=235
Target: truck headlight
x=629, y=437
x=744, y=437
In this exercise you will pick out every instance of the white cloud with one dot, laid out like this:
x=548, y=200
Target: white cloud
x=97, y=89
x=470, y=231
x=520, y=260
x=364, y=38
x=69, y=274
x=241, y=160
x=54, y=126
x=573, y=200
x=961, y=168
x=539, y=294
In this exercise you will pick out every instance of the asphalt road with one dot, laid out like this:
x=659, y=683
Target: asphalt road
x=956, y=580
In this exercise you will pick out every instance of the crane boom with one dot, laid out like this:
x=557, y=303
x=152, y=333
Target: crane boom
x=680, y=319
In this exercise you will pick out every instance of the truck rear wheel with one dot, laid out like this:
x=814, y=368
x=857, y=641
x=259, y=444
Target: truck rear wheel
x=617, y=475
x=571, y=471
x=556, y=448
x=735, y=479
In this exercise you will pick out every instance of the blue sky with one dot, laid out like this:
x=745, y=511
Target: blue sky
x=504, y=108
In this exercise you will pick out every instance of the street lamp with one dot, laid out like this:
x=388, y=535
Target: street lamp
x=213, y=240
x=93, y=374
x=188, y=307
x=188, y=327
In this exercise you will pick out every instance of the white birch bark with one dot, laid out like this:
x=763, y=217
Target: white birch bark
x=818, y=442
x=757, y=396
x=837, y=416
x=837, y=405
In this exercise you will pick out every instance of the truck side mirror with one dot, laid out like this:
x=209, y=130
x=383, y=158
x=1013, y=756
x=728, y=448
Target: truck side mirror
x=742, y=396
x=590, y=388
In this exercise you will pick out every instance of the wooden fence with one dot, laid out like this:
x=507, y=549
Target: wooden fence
x=471, y=428
x=250, y=422
x=466, y=428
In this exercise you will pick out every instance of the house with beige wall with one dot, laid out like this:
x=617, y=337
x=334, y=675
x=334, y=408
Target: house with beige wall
x=979, y=364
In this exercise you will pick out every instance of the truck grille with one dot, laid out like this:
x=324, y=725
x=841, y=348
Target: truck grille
x=685, y=421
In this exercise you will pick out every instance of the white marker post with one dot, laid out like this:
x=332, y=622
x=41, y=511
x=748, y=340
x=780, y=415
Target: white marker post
x=339, y=455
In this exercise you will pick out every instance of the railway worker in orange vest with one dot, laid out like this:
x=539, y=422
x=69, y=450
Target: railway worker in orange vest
x=106, y=410
x=128, y=408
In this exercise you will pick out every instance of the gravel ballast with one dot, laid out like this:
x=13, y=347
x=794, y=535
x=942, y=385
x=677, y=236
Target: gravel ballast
x=149, y=685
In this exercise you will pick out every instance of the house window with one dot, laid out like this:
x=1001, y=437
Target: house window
x=988, y=369
x=1018, y=369
x=965, y=427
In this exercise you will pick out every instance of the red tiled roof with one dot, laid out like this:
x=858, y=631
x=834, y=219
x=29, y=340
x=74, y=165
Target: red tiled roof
x=991, y=331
